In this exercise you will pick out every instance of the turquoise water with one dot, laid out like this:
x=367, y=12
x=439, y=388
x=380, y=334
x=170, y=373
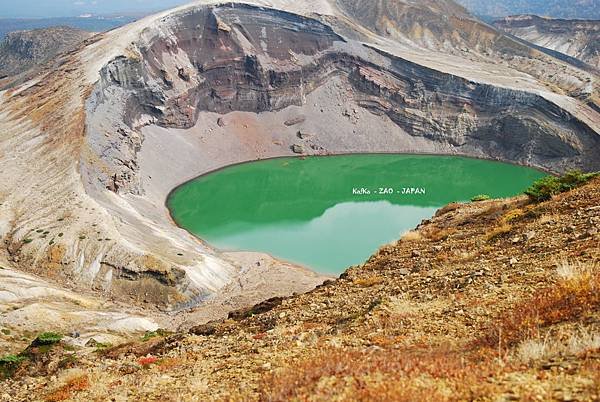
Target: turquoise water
x=332, y=212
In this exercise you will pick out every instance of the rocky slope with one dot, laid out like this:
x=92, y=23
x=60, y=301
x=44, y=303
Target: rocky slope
x=95, y=143
x=22, y=50
x=31, y=305
x=495, y=300
x=575, y=38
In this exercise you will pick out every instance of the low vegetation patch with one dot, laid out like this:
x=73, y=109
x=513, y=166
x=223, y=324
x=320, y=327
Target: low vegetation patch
x=66, y=391
x=383, y=375
x=101, y=346
x=547, y=187
x=573, y=343
x=368, y=281
x=412, y=236
x=11, y=359
x=481, y=197
x=575, y=294
x=154, y=334
x=47, y=338
x=438, y=234
x=9, y=364
x=40, y=345
x=169, y=363
x=499, y=231
x=147, y=361
x=513, y=215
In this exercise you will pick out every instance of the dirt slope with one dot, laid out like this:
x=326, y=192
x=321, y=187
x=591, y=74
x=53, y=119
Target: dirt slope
x=489, y=300
x=95, y=142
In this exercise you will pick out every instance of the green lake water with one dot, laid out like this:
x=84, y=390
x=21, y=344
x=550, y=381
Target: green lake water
x=329, y=213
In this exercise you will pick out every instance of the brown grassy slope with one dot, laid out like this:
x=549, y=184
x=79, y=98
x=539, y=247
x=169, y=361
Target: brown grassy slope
x=488, y=300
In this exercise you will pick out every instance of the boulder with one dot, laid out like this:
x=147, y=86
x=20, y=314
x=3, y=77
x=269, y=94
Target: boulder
x=297, y=149
x=295, y=120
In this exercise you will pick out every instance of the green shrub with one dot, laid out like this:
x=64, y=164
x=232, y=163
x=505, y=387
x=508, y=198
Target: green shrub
x=11, y=359
x=9, y=364
x=102, y=345
x=27, y=241
x=48, y=338
x=153, y=334
x=481, y=197
x=549, y=186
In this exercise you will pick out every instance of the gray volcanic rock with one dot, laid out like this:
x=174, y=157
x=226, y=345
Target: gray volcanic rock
x=575, y=38
x=106, y=135
x=22, y=50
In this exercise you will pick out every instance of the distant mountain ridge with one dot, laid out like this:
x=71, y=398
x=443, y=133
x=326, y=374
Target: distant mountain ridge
x=91, y=24
x=22, y=50
x=579, y=9
x=575, y=38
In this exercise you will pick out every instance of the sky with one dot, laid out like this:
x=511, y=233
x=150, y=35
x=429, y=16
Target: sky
x=73, y=8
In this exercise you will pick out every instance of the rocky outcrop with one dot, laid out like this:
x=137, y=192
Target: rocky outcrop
x=576, y=38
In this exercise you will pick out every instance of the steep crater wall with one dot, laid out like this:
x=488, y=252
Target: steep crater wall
x=231, y=58
x=244, y=58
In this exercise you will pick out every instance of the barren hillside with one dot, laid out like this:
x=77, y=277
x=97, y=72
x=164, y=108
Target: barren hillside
x=94, y=143
x=575, y=38
x=22, y=50
x=487, y=301
x=491, y=300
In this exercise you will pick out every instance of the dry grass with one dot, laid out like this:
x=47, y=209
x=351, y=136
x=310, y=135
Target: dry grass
x=466, y=256
x=549, y=218
x=438, y=234
x=584, y=342
x=513, y=215
x=66, y=391
x=395, y=371
x=412, y=236
x=572, y=297
x=499, y=231
x=532, y=350
x=569, y=271
x=169, y=363
x=369, y=281
x=575, y=343
x=383, y=375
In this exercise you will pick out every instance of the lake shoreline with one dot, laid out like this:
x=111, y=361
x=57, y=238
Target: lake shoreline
x=225, y=209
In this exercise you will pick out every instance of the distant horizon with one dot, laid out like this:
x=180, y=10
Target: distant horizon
x=39, y=9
